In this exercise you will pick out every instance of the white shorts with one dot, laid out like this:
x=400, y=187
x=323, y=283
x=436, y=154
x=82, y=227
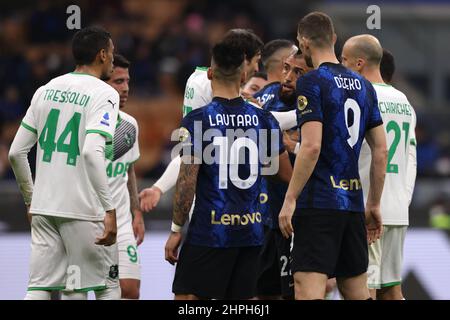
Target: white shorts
x=129, y=262
x=64, y=256
x=386, y=258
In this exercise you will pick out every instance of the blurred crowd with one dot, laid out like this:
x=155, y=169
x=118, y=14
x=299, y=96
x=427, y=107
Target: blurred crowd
x=165, y=40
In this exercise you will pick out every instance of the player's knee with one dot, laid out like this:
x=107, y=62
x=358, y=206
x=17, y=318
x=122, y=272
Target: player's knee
x=390, y=293
x=130, y=289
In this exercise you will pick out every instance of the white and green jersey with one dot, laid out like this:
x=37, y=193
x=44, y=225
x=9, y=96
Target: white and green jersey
x=198, y=91
x=61, y=113
x=399, y=121
x=123, y=152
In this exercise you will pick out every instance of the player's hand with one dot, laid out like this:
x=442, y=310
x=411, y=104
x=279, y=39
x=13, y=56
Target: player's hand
x=374, y=223
x=138, y=227
x=172, y=245
x=110, y=233
x=289, y=143
x=29, y=215
x=149, y=198
x=285, y=218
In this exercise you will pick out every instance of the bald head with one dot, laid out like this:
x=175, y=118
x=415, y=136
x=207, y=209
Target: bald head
x=365, y=47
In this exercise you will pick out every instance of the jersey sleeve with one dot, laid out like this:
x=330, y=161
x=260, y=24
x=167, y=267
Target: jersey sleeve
x=191, y=144
x=375, y=119
x=30, y=121
x=196, y=95
x=101, y=117
x=309, y=100
x=135, y=153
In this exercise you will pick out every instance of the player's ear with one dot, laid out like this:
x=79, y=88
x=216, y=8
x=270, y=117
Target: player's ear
x=102, y=55
x=360, y=63
x=209, y=73
x=334, y=39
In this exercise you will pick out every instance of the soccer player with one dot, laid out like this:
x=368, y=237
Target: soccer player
x=337, y=109
x=256, y=82
x=273, y=55
x=274, y=274
x=121, y=156
x=363, y=54
x=198, y=92
x=217, y=260
x=71, y=118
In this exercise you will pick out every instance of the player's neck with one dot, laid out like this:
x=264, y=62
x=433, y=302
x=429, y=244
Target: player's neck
x=227, y=92
x=322, y=56
x=91, y=70
x=373, y=75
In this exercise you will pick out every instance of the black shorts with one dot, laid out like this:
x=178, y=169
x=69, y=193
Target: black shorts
x=216, y=273
x=274, y=266
x=331, y=242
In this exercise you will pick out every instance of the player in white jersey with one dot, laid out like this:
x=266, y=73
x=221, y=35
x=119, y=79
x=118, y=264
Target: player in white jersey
x=71, y=118
x=198, y=93
x=121, y=156
x=363, y=54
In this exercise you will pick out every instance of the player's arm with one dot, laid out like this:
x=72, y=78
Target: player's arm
x=149, y=197
x=411, y=169
x=93, y=154
x=284, y=172
x=376, y=139
x=24, y=140
x=286, y=119
x=182, y=202
x=138, y=219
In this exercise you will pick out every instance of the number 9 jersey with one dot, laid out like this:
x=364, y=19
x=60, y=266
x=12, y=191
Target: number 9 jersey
x=347, y=106
x=61, y=114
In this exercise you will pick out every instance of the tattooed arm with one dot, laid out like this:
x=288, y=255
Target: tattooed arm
x=138, y=219
x=182, y=202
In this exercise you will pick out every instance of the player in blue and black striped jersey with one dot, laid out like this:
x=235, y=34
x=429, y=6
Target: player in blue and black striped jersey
x=337, y=110
x=227, y=145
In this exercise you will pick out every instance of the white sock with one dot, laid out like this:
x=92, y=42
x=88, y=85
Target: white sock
x=38, y=295
x=109, y=294
x=71, y=295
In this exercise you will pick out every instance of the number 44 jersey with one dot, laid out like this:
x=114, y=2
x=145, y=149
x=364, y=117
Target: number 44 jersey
x=346, y=105
x=61, y=114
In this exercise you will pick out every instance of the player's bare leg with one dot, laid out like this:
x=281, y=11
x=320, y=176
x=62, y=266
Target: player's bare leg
x=310, y=285
x=354, y=288
x=390, y=293
x=373, y=293
x=186, y=297
x=130, y=288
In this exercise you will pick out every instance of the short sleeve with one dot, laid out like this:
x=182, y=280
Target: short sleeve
x=375, y=119
x=101, y=117
x=275, y=144
x=30, y=121
x=191, y=143
x=309, y=100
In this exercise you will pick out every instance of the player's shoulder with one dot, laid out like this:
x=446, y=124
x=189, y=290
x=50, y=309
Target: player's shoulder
x=196, y=114
x=129, y=118
x=199, y=77
x=270, y=87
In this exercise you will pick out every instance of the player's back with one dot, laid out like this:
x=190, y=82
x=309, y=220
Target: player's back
x=399, y=121
x=227, y=205
x=62, y=112
x=198, y=91
x=346, y=105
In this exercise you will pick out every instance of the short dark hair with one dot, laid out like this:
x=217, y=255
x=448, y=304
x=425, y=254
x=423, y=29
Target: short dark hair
x=261, y=75
x=318, y=27
x=120, y=61
x=87, y=42
x=271, y=47
x=248, y=42
x=227, y=60
x=387, y=66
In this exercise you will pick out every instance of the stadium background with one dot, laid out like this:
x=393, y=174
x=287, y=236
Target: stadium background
x=165, y=40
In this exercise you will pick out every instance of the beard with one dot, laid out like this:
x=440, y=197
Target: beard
x=288, y=99
x=308, y=61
